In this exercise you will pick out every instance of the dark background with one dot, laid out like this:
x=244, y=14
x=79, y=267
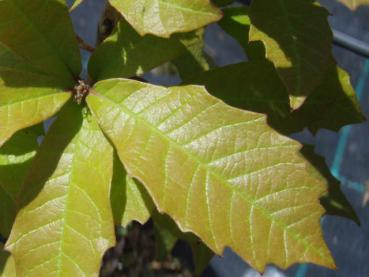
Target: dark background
x=346, y=152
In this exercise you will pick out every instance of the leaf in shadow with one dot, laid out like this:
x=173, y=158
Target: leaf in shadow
x=299, y=49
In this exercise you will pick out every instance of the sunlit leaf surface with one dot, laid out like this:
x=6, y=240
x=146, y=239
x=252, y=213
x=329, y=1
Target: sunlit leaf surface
x=220, y=172
x=66, y=224
x=164, y=17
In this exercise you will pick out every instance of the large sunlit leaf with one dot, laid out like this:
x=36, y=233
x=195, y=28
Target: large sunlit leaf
x=126, y=53
x=219, y=172
x=66, y=223
x=354, y=4
x=164, y=17
x=299, y=49
x=15, y=158
x=7, y=265
x=41, y=32
x=331, y=106
x=129, y=199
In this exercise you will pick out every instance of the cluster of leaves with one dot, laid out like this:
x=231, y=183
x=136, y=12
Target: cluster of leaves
x=121, y=150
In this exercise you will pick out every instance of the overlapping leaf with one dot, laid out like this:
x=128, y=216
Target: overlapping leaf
x=194, y=59
x=236, y=22
x=7, y=265
x=220, y=172
x=66, y=223
x=37, y=63
x=165, y=17
x=126, y=53
x=41, y=32
x=300, y=50
x=129, y=200
x=354, y=4
x=332, y=105
x=15, y=158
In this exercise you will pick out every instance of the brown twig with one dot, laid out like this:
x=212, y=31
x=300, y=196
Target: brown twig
x=84, y=45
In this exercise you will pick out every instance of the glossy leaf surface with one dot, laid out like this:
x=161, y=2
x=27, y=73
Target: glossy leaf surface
x=165, y=17
x=66, y=224
x=300, y=51
x=220, y=172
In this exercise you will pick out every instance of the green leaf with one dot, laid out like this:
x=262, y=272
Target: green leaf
x=27, y=96
x=243, y=85
x=126, y=53
x=334, y=201
x=129, y=199
x=66, y=224
x=298, y=40
x=24, y=107
x=332, y=105
x=219, y=172
x=165, y=17
x=354, y=4
x=42, y=34
x=15, y=158
x=7, y=265
x=201, y=256
x=236, y=22
x=167, y=235
x=194, y=59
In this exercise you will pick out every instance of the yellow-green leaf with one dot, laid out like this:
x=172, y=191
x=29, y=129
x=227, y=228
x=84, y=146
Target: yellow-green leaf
x=165, y=17
x=7, y=265
x=66, y=223
x=219, y=172
x=15, y=158
x=299, y=49
x=354, y=4
x=126, y=53
x=75, y=4
x=41, y=32
x=129, y=200
x=24, y=107
x=27, y=96
x=194, y=59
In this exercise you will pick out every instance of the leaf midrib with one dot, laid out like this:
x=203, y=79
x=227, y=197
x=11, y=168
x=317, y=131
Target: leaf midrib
x=65, y=212
x=246, y=197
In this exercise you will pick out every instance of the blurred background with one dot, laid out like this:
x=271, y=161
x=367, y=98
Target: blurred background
x=346, y=152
